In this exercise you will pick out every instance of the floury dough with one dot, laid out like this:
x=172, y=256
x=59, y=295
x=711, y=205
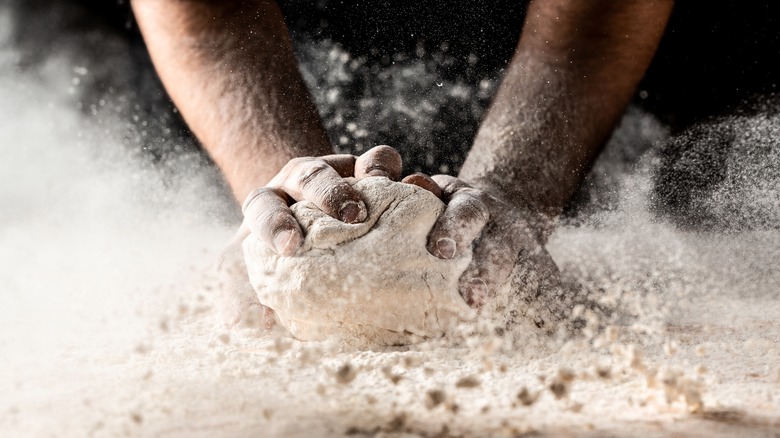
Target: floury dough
x=372, y=281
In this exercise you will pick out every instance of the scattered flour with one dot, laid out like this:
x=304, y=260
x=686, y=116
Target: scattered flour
x=108, y=326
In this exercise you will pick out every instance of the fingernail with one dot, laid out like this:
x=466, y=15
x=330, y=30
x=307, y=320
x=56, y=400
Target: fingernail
x=478, y=292
x=285, y=242
x=446, y=247
x=351, y=212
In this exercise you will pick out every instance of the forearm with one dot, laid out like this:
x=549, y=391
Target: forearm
x=574, y=71
x=230, y=69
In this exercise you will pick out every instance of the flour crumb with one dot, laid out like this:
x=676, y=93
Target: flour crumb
x=434, y=398
x=526, y=397
x=559, y=388
x=467, y=382
x=346, y=374
x=391, y=376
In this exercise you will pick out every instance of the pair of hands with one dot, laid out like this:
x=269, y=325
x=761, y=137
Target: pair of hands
x=501, y=234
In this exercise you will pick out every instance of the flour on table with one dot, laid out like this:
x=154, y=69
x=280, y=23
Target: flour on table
x=373, y=281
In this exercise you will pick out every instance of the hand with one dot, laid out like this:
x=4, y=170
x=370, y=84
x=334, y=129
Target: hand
x=502, y=235
x=267, y=215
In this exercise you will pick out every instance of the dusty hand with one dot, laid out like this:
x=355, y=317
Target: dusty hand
x=503, y=235
x=320, y=180
x=267, y=215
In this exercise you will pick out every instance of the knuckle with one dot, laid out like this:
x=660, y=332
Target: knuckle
x=310, y=173
x=470, y=205
x=382, y=152
x=425, y=182
x=280, y=219
x=299, y=161
x=472, y=192
x=271, y=219
x=380, y=159
x=259, y=195
x=292, y=166
x=382, y=148
x=448, y=184
x=343, y=164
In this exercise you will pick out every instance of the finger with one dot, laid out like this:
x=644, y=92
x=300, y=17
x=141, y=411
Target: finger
x=424, y=181
x=449, y=184
x=462, y=221
x=343, y=164
x=314, y=180
x=379, y=161
x=268, y=217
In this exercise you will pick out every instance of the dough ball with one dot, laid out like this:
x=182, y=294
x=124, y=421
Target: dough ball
x=373, y=282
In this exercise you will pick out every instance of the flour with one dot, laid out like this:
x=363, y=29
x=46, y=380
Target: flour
x=108, y=323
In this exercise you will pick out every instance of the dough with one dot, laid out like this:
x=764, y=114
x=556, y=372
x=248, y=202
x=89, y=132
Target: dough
x=373, y=281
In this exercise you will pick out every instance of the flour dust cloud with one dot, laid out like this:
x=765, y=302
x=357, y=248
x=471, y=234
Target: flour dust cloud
x=108, y=320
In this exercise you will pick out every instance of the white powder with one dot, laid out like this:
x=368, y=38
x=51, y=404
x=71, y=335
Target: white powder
x=108, y=326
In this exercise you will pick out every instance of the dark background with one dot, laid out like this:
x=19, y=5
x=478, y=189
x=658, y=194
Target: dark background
x=716, y=59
